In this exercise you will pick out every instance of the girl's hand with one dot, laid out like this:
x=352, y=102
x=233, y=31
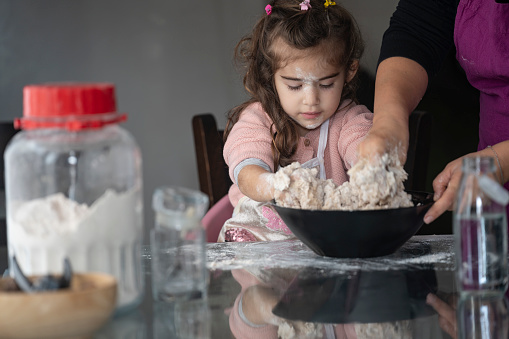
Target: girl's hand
x=256, y=183
x=257, y=304
x=446, y=314
x=445, y=186
x=298, y=187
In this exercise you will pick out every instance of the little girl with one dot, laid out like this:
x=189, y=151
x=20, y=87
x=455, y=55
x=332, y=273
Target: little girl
x=301, y=63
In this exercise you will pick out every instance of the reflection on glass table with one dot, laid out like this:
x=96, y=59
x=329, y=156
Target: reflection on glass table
x=482, y=316
x=384, y=303
x=379, y=304
x=260, y=290
x=289, y=292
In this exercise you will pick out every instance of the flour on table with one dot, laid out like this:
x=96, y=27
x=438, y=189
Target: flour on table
x=372, y=185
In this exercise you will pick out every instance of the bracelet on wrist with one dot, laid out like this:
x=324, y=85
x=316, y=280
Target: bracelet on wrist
x=499, y=165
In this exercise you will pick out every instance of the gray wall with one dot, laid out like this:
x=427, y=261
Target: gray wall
x=169, y=60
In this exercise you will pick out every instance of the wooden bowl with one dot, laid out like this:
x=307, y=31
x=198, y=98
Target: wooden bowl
x=76, y=312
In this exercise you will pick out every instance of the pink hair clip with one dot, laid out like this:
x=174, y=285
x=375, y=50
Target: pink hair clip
x=305, y=5
x=268, y=9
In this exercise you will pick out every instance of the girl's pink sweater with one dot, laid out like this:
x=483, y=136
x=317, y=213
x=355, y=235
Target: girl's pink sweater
x=251, y=137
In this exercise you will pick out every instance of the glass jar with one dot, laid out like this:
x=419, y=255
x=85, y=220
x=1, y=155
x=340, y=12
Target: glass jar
x=177, y=241
x=74, y=187
x=480, y=229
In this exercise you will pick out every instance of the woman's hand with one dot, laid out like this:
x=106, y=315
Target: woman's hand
x=446, y=314
x=445, y=186
x=385, y=137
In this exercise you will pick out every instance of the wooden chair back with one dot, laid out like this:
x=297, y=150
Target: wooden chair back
x=7, y=131
x=212, y=170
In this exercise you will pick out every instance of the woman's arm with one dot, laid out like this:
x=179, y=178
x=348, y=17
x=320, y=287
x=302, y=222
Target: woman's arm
x=414, y=46
x=400, y=85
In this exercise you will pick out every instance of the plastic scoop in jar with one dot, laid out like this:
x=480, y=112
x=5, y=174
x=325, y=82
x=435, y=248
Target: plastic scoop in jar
x=494, y=190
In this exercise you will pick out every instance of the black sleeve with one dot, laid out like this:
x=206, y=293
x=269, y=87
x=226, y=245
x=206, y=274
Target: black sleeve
x=421, y=30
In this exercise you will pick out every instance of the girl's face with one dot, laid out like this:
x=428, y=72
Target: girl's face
x=309, y=89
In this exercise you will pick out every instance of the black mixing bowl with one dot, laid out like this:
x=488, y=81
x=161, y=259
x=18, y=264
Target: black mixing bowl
x=357, y=234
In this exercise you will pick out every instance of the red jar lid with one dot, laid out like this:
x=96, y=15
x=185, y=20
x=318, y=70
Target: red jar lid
x=73, y=106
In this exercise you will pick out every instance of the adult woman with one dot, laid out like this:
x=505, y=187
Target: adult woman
x=417, y=41
x=420, y=35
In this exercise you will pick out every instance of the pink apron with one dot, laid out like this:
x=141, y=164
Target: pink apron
x=481, y=36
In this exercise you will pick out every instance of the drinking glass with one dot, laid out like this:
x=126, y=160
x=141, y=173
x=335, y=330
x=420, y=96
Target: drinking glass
x=177, y=243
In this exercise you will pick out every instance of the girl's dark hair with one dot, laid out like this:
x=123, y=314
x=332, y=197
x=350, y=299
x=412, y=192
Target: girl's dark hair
x=332, y=31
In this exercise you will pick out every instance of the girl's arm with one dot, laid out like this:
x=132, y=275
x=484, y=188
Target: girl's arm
x=250, y=141
x=256, y=183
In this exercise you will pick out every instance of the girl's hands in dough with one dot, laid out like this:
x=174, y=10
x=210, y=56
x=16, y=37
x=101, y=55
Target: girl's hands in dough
x=284, y=180
x=259, y=185
x=297, y=187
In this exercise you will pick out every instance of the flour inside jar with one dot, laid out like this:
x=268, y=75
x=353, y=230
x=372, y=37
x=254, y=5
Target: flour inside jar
x=102, y=237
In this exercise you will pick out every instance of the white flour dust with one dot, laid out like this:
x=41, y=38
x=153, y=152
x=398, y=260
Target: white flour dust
x=372, y=185
x=266, y=182
x=101, y=237
x=417, y=252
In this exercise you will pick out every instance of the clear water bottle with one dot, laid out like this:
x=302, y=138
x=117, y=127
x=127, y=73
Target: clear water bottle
x=177, y=242
x=483, y=317
x=480, y=229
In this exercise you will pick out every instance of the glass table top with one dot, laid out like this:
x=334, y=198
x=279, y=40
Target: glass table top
x=282, y=288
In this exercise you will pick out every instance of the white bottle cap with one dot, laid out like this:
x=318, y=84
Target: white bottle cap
x=494, y=190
